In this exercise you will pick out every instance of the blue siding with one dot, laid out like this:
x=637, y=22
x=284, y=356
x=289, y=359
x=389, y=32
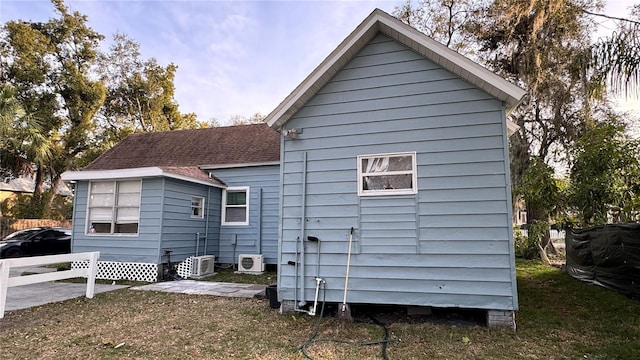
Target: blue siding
x=165, y=223
x=180, y=230
x=261, y=235
x=127, y=248
x=448, y=245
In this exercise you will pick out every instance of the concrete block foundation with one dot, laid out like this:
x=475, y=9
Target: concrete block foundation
x=501, y=319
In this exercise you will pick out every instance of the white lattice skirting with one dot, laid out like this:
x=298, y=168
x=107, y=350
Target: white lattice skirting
x=114, y=270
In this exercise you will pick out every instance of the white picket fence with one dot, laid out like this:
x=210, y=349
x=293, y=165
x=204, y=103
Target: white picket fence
x=7, y=282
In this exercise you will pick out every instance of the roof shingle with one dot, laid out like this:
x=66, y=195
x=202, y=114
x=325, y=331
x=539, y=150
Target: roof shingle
x=244, y=144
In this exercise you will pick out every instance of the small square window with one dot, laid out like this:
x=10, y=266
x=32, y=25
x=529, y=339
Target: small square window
x=387, y=174
x=197, y=207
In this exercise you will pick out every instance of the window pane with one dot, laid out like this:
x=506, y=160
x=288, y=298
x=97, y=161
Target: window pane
x=101, y=200
x=129, y=186
x=374, y=165
x=197, y=205
x=100, y=228
x=129, y=199
x=102, y=187
x=128, y=214
x=236, y=214
x=101, y=214
x=236, y=198
x=387, y=182
x=131, y=228
x=400, y=163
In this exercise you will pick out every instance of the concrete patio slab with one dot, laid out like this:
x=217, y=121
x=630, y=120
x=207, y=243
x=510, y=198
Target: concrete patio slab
x=206, y=288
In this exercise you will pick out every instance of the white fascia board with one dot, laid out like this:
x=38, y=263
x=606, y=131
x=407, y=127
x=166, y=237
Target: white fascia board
x=511, y=127
x=129, y=174
x=112, y=174
x=231, y=166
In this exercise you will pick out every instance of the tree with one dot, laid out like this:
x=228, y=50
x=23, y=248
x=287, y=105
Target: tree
x=615, y=59
x=140, y=94
x=62, y=81
x=545, y=47
x=605, y=175
x=443, y=20
x=256, y=118
x=21, y=137
x=49, y=64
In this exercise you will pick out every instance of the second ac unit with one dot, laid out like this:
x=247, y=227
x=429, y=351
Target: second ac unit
x=203, y=265
x=251, y=264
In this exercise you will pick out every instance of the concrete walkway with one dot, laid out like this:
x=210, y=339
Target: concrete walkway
x=26, y=296
x=206, y=288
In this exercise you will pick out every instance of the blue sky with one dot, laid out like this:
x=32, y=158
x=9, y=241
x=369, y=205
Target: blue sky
x=233, y=57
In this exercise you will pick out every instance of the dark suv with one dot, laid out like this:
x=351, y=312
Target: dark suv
x=35, y=242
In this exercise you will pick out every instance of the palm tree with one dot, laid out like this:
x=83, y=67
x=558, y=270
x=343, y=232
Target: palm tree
x=21, y=138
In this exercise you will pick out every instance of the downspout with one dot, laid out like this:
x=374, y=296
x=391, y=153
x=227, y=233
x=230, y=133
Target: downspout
x=259, y=239
x=161, y=240
x=73, y=217
x=302, y=231
x=206, y=221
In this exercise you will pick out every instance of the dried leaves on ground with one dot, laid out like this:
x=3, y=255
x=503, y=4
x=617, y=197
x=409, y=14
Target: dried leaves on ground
x=559, y=318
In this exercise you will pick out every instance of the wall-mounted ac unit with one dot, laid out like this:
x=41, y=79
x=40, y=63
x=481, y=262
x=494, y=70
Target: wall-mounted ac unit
x=203, y=265
x=250, y=264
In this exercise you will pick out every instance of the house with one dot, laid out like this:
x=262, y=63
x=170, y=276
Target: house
x=406, y=142
x=26, y=184
x=194, y=192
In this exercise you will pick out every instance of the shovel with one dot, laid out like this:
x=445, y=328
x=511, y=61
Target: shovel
x=345, y=312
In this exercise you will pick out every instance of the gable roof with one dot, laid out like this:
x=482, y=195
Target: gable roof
x=381, y=22
x=204, y=148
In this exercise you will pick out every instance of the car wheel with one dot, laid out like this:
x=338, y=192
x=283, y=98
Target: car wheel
x=13, y=253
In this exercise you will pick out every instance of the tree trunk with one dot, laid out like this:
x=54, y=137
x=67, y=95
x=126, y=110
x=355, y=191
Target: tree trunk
x=535, y=214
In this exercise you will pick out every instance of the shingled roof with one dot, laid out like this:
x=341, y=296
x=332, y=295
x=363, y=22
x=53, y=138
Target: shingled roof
x=205, y=148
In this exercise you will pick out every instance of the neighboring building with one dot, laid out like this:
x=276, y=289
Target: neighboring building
x=26, y=185
x=194, y=192
x=406, y=141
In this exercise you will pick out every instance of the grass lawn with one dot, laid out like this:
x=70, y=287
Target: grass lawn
x=559, y=318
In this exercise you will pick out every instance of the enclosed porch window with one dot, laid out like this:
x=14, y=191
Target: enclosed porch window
x=114, y=207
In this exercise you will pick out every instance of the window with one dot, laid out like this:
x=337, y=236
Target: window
x=235, y=206
x=114, y=207
x=387, y=174
x=197, y=207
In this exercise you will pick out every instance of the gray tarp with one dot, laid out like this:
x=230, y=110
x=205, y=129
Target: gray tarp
x=606, y=255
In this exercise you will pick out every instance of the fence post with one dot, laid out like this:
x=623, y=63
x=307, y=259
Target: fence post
x=91, y=274
x=4, y=284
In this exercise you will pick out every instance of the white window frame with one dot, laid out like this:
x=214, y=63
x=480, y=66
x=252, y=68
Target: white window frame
x=114, y=208
x=200, y=207
x=414, y=175
x=224, y=205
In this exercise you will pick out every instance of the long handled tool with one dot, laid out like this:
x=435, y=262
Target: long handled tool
x=345, y=311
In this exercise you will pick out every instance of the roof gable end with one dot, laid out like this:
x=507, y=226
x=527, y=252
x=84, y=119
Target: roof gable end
x=381, y=22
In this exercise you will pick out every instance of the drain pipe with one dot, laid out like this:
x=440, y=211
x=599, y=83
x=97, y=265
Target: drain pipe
x=318, y=279
x=300, y=283
x=206, y=221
